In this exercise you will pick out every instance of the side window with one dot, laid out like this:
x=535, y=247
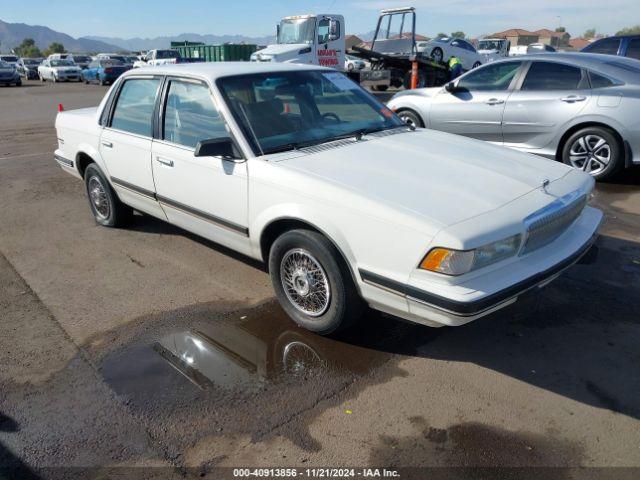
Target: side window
x=599, y=81
x=324, y=30
x=134, y=107
x=608, y=45
x=633, y=50
x=190, y=115
x=554, y=76
x=494, y=77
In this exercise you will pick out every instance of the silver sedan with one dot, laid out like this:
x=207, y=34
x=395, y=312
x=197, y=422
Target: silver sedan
x=578, y=108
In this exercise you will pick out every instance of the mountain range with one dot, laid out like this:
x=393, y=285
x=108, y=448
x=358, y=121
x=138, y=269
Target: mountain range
x=12, y=35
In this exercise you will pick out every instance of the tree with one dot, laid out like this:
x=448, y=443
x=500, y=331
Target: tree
x=635, y=30
x=28, y=49
x=458, y=34
x=55, y=47
x=561, y=29
x=591, y=33
x=441, y=35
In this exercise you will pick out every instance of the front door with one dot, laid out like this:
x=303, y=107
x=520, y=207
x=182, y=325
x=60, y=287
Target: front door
x=205, y=195
x=475, y=108
x=330, y=43
x=551, y=95
x=125, y=144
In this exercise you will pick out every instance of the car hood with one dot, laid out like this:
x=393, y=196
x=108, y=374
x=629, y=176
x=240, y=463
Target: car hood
x=441, y=177
x=282, y=51
x=66, y=69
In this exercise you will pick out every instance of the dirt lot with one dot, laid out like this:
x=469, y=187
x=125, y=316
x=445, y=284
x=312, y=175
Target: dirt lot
x=93, y=373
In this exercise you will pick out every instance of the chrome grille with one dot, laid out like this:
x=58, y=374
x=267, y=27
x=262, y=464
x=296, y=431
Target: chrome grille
x=544, y=226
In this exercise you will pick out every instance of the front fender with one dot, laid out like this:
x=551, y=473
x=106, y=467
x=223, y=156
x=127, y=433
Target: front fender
x=305, y=214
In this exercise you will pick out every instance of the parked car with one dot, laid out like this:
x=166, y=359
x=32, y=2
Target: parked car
x=114, y=56
x=59, y=71
x=579, y=108
x=346, y=204
x=353, y=63
x=82, y=61
x=493, y=48
x=10, y=59
x=540, y=48
x=624, y=46
x=9, y=75
x=28, y=68
x=104, y=71
x=517, y=50
x=443, y=48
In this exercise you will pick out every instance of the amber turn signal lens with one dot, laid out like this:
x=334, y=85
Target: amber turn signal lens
x=433, y=260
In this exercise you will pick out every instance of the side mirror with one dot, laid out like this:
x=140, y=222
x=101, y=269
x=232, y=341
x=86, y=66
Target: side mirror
x=333, y=30
x=450, y=87
x=218, y=147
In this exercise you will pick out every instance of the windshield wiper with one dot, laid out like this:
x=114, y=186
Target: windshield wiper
x=357, y=134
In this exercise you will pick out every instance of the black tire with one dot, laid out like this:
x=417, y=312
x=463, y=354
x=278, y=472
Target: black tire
x=102, y=82
x=411, y=118
x=437, y=54
x=19, y=83
x=615, y=150
x=380, y=88
x=118, y=214
x=343, y=305
x=476, y=65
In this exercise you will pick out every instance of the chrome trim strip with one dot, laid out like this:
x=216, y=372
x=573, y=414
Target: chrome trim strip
x=133, y=188
x=234, y=227
x=63, y=161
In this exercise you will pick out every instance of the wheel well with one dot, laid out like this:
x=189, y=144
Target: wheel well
x=407, y=109
x=278, y=227
x=82, y=162
x=580, y=126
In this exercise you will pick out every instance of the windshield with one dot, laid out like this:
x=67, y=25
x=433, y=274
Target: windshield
x=9, y=58
x=4, y=64
x=81, y=58
x=288, y=110
x=167, y=54
x=62, y=63
x=30, y=61
x=488, y=45
x=300, y=30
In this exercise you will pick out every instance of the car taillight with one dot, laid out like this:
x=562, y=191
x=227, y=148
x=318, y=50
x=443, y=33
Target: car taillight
x=108, y=70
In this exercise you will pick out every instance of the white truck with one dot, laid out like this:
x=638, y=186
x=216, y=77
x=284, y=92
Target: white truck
x=316, y=39
x=158, y=57
x=493, y=48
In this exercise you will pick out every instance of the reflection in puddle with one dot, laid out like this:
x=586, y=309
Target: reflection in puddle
x=262, y=347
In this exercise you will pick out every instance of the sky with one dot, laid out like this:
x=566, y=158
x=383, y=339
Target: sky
x=152, y=18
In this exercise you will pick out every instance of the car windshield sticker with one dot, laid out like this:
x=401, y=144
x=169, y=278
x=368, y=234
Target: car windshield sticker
x=340, y=81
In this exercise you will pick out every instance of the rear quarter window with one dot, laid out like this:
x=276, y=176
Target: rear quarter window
x=633, y=49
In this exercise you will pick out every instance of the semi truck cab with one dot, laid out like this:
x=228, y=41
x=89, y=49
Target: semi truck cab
x=316, y=39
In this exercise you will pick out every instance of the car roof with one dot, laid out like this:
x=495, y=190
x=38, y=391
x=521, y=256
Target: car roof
x=214, y=70
x=625, y=69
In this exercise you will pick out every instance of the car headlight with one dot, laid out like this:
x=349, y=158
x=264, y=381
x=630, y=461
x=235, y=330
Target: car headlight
x=458, y=262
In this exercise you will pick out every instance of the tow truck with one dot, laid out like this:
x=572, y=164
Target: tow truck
x=319, y=39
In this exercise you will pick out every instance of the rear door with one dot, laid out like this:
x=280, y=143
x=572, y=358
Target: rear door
x=475, y=109
x=205, y=195
x=125, y=143
x=550, y=95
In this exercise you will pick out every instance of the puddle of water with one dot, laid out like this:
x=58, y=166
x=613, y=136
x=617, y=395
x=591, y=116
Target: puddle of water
x=245, y=354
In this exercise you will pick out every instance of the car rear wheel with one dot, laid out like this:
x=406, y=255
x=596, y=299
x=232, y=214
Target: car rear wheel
x=476, y=65
x=594, y=150
x=411, y=118
x=312, y=283
x=105, y=206
x=437, y=54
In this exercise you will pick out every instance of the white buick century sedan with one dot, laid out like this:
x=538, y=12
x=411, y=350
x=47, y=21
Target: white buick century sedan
x=303, y=169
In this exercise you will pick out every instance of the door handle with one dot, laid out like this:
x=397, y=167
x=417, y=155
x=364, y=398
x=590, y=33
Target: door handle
x=168, y=163
x=573, y=98
x=494, y=101
x=107, y=144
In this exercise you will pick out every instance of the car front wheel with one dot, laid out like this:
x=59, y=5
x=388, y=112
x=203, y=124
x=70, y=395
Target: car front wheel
x=410, y=118
x=437, y=54
x=312, y=283
x=105, y=206
x=594, y=150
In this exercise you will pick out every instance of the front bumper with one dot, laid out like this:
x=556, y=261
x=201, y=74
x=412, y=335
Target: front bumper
x=457, y=305
x=9, y=80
